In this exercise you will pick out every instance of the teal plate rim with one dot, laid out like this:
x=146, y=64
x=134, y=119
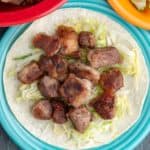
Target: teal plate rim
x=24, y=139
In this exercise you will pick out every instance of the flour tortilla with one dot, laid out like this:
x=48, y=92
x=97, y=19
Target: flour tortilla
x=44, y=129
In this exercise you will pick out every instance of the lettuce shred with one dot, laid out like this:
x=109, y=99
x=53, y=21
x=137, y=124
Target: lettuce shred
x=11, y=73
x=22, y=57
x=83, y=57
x=129, y=66
x=69, y=59
x=96, y=91
x=28, y=92
x=122, y=106
x=93, y=132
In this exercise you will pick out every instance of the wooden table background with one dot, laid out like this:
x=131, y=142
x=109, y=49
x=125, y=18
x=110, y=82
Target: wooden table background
x=7, y=144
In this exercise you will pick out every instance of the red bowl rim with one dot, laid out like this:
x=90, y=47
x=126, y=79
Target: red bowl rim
x=29, y=14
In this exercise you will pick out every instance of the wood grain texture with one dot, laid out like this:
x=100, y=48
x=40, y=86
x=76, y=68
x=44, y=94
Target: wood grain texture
x=7, y=144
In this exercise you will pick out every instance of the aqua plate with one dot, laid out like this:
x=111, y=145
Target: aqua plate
x=24, y=139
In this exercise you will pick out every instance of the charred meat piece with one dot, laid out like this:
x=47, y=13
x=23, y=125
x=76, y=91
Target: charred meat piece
x=111, y=79
x=20, y=2
x=16, y=2
x=30, y=73
x=48, y=87
x=86, y=39
x=46, y=64
x=84, y=71
x=59, y=112
x=50, y=44
x=69, y=39
x=106, y=56
x=42, y=110
x=29, y=2
x=60, y=67
x=56, y=67
x=80, y=117
x=104, y=105
x=75, y=90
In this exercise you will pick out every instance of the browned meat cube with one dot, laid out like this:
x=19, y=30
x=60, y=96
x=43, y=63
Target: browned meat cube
x=59, y=111
x=104, y=105
x=106, y=56
x=29, y=2
x=75, y=90
x=56, y=67
x=46, y=64
x=80, y=118
x=86, y=39
x=84, y=71
x=69, y=39
x=50, y=44
x=30, y=73
x=20, y=2
x=61, y=68
x=42, y=110
x=16, y=2
x=48, y=87
x=111, y=79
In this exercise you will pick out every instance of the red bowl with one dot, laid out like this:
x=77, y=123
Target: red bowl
x=13, y=15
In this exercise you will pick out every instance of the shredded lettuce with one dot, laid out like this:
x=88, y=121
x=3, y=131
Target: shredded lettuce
x=101, y=36
x=101, y=69
x=122, y=106
x=129, y=66
x=93, y=132
x=69, y=59
x=84, y=58
x=34, y=55
x=96, y=91
x=91, y=25
x=106, y=125
x=22, y=57
x=58, y=130
x=140, y=4
x=28, y=92
x=11, y=73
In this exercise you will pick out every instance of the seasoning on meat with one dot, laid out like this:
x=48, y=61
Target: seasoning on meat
x=50, y=44
x=84, y=71
x=48, y=87
x=75, y=90
x=16, y=2
x=56, y=67
x=111, y=79
x=69, y=39
x=30, y=73
x=59, y=111
x=42, y=110
x=107, y=56
x=21, y=2
x=104, y=105
x=60, y=67
x=29, y=2
x=45, y=64
x=87, y=39
x=80, y=118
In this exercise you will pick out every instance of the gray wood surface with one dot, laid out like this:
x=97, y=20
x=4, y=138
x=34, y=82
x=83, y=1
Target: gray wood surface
x=7, y=144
